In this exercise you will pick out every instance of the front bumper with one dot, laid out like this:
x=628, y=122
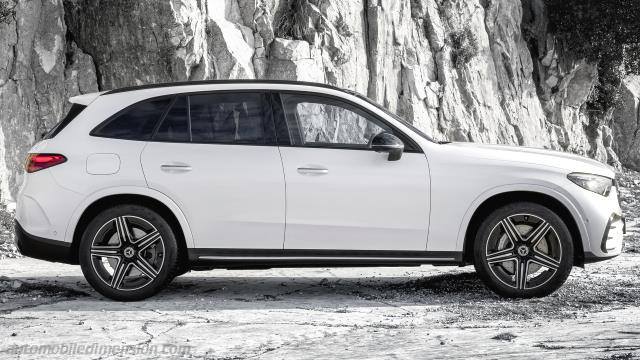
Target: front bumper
x=613, y=234
x=612, y=240
x=43, y=249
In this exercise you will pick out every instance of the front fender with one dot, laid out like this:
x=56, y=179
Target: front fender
x=555, y=192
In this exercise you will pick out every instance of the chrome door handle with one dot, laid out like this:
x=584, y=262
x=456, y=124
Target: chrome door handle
x=313, y=170
x=175, y=168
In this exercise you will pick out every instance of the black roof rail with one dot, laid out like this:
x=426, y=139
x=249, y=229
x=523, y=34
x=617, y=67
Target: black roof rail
x=231, y=81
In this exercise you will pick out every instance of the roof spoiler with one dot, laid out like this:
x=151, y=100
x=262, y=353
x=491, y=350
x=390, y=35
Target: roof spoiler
x=85, y=99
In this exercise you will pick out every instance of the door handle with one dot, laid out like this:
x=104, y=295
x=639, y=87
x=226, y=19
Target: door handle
x=308, y=170
x=175, y=168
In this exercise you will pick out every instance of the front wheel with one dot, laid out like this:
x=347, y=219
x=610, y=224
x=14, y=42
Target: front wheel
x=128, y=253
x=523, y=250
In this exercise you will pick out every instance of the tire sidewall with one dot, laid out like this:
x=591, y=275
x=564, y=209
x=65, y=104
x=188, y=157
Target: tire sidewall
x=564, y=235
x=165, y=274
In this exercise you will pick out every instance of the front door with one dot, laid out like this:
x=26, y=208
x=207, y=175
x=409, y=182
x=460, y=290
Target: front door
x=215, y=156
x=340, y=194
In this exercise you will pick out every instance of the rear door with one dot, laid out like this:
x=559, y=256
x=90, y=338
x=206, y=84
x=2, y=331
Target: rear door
x=215, y=156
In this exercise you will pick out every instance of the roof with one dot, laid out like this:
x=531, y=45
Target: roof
x=214, y=82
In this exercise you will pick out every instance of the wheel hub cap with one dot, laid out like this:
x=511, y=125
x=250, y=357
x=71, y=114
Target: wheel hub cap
x=523, y=250
x=129, y=252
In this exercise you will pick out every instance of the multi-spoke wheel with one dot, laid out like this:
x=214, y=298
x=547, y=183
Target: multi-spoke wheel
x=128, y=253
x=523, y=250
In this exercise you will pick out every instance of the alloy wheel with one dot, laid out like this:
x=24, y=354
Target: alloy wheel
x=127, y=253
x=523, y=251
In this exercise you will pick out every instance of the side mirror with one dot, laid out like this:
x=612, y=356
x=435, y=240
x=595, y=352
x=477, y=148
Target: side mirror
x=389, y=143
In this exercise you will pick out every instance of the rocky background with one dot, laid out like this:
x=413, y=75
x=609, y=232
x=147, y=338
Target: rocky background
x=463, y=70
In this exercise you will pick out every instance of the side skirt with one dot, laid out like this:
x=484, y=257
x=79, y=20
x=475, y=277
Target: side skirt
x=202, y=259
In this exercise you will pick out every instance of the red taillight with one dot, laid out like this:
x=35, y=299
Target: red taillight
x=36, y=162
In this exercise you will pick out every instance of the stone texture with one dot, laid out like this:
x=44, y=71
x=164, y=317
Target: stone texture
x=138, y=42
x=563, y=85
x=35, y=80
x=627, y=125
x=518, y=86
x=234, y=49
x=79, y=73
x=295, y=60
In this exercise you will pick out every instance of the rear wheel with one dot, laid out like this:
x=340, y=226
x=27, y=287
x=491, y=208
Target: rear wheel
x=523, y=250
x=128, y=253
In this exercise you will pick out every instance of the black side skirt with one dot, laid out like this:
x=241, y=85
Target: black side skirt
x=201, y=259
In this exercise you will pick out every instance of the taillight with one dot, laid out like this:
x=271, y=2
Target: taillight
x=36, y=162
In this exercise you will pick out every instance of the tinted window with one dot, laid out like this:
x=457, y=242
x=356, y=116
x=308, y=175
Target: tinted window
x=318, y=121
x=75, y=110
x=228, y=118
x=136, y=122
x=175, y=126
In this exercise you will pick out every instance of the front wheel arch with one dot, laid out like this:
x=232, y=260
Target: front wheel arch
x=502, y=199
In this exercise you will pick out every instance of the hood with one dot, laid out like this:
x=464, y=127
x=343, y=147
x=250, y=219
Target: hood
x=557, y=159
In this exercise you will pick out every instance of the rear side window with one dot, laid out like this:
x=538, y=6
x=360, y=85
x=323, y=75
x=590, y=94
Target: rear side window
x=175, y=126
x=238, y=118
x=220, y=118
x=137, y=122
x=75, y=110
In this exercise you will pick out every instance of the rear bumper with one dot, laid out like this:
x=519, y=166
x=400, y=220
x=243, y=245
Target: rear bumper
x=43, y=249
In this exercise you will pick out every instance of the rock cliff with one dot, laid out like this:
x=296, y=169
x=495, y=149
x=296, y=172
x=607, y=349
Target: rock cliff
x=463, y=70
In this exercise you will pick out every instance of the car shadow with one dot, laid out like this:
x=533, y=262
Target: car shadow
x=274, y=292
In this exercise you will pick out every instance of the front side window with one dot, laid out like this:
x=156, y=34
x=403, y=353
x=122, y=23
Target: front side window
x=237, y=118
x=318, y=121
x=137, y=122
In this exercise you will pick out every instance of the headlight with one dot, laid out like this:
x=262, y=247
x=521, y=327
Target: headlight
x=596, y=183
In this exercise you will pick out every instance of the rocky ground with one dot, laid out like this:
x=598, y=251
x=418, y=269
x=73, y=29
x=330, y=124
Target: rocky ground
x=7, y=246
x=425, y=312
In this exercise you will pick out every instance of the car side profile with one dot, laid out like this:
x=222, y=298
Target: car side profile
x=142, y=184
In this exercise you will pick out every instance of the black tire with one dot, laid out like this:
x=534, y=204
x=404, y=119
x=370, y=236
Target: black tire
x=542, y=252
x=145, y=262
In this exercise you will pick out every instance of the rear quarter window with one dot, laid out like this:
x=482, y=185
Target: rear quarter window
x=136, y=122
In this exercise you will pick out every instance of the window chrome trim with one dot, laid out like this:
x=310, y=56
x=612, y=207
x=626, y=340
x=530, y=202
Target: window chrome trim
x=273, y=119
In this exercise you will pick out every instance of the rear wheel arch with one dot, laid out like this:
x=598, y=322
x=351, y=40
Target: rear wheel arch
x=496, y=201
x=136, y=199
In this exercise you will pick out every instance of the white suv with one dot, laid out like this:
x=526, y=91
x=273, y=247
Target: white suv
x=140, y=185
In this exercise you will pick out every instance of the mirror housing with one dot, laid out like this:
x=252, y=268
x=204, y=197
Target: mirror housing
x=389, y=143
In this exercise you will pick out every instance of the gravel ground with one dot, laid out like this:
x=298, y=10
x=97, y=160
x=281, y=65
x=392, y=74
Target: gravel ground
x=426, y=312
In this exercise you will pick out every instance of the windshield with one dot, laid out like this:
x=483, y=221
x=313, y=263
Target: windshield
x=403, y=121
